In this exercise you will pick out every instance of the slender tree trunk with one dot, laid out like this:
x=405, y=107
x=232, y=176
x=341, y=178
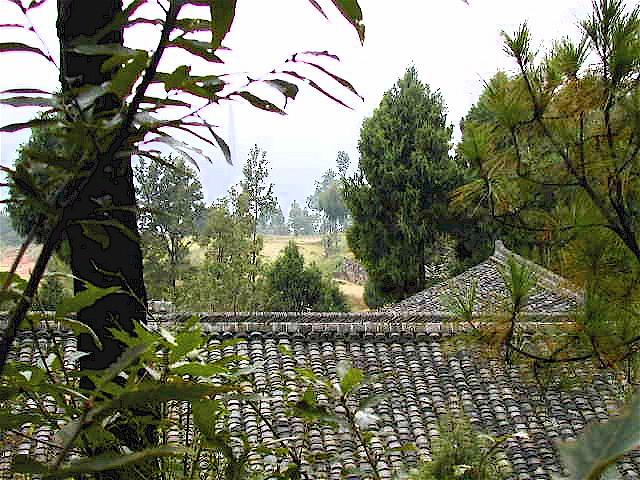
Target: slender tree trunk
x=421, y=257
x=173, y=265
x=254, y=256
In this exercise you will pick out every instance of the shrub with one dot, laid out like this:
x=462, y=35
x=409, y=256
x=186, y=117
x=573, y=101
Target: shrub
x=292, y=287
x=461, y=453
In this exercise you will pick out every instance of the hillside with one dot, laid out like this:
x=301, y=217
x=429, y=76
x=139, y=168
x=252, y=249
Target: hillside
x=311, y=247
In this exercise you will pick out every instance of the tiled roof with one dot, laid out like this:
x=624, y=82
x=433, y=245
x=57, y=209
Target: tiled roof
x=426, y=377
x=552, y=296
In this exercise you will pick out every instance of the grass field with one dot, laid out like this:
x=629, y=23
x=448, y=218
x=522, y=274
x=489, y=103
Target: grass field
x=311, y=248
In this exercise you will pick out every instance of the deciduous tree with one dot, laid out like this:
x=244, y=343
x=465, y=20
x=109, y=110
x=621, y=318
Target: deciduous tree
x=170, y=202
x=225, y=281
x=110, y=112
x=259, y=196
x=301, y=222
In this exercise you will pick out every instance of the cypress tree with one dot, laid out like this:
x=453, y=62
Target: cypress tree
x=398, y=197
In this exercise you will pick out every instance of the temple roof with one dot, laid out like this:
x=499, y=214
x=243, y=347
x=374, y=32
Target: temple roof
x=426, y=375
x=552, y=296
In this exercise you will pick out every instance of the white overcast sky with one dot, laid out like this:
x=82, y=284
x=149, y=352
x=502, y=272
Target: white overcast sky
x=454, y=46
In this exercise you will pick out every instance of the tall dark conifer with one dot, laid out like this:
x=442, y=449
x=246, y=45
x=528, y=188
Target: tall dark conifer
x=398, y=198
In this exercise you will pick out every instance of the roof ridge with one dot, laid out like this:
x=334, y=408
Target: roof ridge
x=335, y=322
x=544, y=277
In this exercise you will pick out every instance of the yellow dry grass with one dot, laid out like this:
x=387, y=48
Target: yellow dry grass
x=354, y=294
x=311, y=248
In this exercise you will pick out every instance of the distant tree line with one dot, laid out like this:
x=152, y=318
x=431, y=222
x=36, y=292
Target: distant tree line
x=230, y=273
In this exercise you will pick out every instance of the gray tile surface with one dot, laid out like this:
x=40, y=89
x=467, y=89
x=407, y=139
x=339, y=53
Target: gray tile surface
x=552, y=295
x=425, y=376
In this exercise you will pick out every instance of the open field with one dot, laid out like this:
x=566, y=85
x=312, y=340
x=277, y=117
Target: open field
x=311, y=247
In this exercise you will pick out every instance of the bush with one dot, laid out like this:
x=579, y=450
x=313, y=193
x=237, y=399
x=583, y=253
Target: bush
x=373, y=297
x=461, y=454
x=292, y=287
x=50, y=293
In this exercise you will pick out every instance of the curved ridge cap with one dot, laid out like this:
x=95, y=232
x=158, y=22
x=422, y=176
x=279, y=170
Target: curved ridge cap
x=545, y=277
x=341, y=317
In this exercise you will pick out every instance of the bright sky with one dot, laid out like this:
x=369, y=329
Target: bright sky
x=454, y=46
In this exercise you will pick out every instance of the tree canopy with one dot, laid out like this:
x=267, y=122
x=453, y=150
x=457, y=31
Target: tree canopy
x=556, y=145
x=170, y=202
x=398, y=196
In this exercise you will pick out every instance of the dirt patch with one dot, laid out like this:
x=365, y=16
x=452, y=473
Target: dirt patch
x=354, y=294
x=7, y=256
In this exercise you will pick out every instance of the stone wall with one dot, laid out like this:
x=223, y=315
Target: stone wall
x=352, y=271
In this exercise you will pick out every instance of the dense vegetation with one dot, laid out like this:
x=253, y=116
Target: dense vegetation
x=549, y=161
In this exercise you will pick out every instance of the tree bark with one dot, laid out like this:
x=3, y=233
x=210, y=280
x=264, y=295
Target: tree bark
x=112, y=256
x=108, y=196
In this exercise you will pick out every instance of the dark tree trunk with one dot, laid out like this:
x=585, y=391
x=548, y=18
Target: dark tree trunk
x=110, y=186
x=108, y=257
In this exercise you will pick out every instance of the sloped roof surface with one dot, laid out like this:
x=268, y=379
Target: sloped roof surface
x=552, y=296
x=425, y=378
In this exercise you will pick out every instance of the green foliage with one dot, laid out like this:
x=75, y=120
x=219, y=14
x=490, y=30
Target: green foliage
x=462, y=453
x=107, y=114
x=42, y=170
x=598, y=447
x=461, y=303
x=553, y=154
x=260, y=203
x=328, y=201
x=399, y=197
x=225, y=281
x=292, y=287
x=493, y=219
x=345, y=405
x=343, y=162
x=112, y=109
x=170, y=200
x=536, y=138
x=301, y=222
x=53, y=288
x=374, y=296
x=520, y=281
x=273, y=223
x=8, y=236
x=88, y=420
